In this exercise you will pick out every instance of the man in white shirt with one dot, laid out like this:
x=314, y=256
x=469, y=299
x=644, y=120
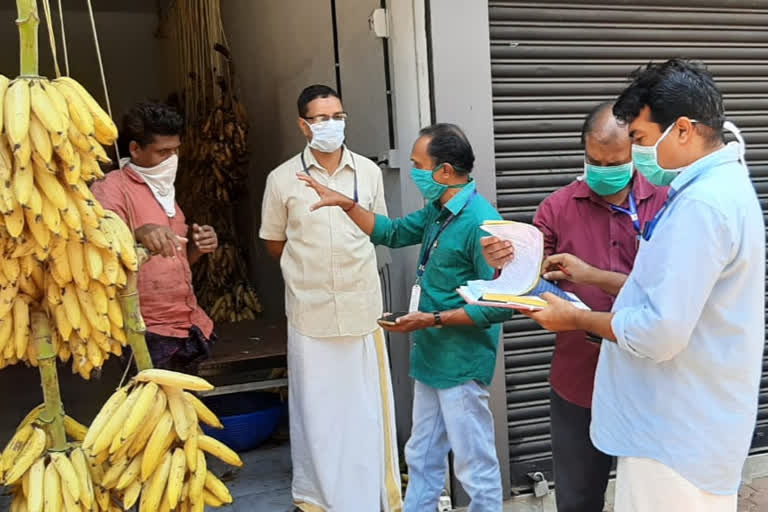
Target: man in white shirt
x=340, y=397
x=678, y=378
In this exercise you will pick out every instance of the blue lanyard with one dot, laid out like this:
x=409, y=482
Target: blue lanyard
x=433, y=244
x=354, y=171
x=651, y=226
x=632, y=212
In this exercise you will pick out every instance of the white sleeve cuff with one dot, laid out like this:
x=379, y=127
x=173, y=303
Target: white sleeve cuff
x=268, y=234
x=618, y=324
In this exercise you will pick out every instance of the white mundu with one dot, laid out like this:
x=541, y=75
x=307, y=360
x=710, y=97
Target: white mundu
x=340, y=397
x=646, y=485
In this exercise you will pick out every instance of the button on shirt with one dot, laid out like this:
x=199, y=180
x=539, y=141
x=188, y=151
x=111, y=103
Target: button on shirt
x=168, y=303
x=451, y=355
x=332, y=285
x=681, y=384
x=575, y=220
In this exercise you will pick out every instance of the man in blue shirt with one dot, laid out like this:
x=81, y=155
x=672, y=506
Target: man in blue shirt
x=676, y=390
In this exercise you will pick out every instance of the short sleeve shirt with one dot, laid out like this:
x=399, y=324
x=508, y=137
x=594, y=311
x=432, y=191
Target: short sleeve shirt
x=332, y=285
x=168, y=303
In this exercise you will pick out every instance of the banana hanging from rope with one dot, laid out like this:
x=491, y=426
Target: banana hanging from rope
x=74, y=251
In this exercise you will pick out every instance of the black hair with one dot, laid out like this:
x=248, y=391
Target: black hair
x=312, y=93
x=449, y=145
x=591, y=120
x=673, y=89
x=147, y=119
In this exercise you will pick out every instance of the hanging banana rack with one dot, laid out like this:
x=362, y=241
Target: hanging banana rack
x=49, y=23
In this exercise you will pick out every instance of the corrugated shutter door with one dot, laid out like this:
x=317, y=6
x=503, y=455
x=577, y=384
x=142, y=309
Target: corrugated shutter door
x=551, y=62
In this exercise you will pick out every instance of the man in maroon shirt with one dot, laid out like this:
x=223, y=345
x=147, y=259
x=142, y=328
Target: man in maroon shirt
x=179, y=333
x=591, y=230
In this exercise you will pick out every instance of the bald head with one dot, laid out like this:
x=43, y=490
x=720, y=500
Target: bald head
x=606, y=140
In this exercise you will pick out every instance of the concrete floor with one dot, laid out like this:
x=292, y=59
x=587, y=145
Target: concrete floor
x=264, y=485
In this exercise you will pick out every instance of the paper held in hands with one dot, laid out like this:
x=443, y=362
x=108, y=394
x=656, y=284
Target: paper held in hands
x=520, y=284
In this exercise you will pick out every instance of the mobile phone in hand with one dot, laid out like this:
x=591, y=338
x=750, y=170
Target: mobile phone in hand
x=391, y=318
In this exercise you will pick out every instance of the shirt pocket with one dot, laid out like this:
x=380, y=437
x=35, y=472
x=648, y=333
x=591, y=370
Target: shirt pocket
x=446, y=267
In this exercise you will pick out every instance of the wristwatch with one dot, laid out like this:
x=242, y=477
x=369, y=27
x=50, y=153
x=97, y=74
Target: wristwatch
x=438, y=320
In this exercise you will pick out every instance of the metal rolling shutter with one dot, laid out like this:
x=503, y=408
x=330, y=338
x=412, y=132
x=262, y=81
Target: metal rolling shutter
x=552, y=61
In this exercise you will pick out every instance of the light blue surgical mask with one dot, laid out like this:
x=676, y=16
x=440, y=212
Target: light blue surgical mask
x=606, y=181
x=646, y=160
x=327, y=136
x=429, y=188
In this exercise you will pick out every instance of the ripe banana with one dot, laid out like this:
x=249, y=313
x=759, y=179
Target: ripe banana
x=44, y=109
x=203, y=412
x=173, y=379
x=79, y=114
x=219, y=450
x=33, y=449
x=115, y=423
x=103, y=417
x=3, y=88
x=138, y=414
x=106, y=131
x=53, y=499
x=67, y=475
x=75, y=429
x=79, y=462
x=16, y=111
x=176, y=477
x=153, y=451
x=36, y=489
x=178, y=408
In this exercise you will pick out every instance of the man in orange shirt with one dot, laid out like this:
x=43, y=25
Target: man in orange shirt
x=141, y=192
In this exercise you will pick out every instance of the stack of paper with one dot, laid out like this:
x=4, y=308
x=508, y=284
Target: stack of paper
x=520, y=284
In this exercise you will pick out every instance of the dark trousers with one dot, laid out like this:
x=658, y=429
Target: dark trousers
x=581, y=470
x=180, y=354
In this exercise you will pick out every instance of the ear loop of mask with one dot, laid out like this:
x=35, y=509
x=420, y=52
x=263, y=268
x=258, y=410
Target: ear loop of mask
x=729, y=126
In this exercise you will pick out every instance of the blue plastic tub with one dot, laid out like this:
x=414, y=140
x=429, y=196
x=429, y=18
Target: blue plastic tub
x=249, y=418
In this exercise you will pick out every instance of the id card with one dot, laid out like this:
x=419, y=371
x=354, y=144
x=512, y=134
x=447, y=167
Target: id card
x=415, y=298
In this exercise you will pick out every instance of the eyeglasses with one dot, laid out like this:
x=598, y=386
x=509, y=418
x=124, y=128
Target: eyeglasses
x=341, y=116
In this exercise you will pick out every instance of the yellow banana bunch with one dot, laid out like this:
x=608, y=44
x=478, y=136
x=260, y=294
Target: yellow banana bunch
x=41, y=479
x=77, y=254
x=148, y=436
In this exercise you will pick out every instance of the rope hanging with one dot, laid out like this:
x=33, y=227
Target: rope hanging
x=64, y=40
x=101, y=68
x=51, y=37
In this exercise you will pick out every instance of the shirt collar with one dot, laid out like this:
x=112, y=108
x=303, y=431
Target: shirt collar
x=730, y=153
x=133, y=174
x=346, y=159
x=460, y=200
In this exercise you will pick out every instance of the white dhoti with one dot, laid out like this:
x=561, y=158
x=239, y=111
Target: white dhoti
x=343, y=442
x=646, y=485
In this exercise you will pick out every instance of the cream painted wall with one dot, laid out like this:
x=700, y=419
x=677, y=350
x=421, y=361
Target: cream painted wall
x=279, y=48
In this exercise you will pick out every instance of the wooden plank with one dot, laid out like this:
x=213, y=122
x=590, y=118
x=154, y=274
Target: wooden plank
x=247, y=386
x=248, y=340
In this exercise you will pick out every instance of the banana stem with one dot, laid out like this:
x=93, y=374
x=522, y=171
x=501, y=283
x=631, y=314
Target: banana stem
x=27, y=22
x=53, y=414
x=134, y=324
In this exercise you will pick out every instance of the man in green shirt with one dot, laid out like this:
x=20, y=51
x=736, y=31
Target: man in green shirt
x=454, y=351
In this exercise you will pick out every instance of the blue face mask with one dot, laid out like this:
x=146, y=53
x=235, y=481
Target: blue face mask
x=606, y=181
x=429, y=188
x=646, y=160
